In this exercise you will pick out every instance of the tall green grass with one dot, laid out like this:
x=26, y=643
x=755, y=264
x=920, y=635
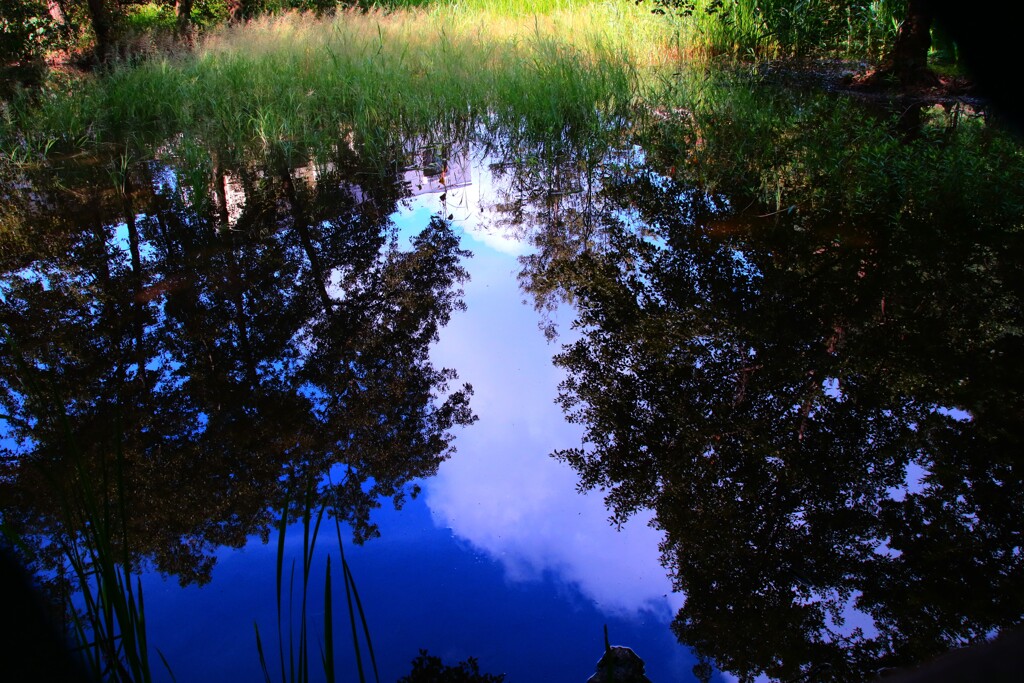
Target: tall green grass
x=298, y=80
x=390, y=72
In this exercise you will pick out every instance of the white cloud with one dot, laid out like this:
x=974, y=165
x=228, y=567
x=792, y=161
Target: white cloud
x=502, y=492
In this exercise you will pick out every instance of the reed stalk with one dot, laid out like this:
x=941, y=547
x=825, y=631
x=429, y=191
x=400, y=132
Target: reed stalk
x=296, y=654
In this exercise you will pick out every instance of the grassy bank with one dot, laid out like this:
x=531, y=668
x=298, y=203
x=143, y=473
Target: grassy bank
x=546, y=68
x=297, y=79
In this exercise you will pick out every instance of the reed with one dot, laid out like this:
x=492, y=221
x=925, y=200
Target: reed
x=111, y=627
x=299, y=80
x=294, y=649
x=101, y=580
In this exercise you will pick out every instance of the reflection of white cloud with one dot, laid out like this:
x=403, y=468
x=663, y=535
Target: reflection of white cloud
x=502, y=492
x=498, y=239
x=480, y=229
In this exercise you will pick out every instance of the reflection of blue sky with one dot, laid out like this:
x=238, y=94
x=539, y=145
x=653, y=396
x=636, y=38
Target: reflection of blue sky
x=500, y=559
x=119, y=239
x=421, y=587
x=502, y=492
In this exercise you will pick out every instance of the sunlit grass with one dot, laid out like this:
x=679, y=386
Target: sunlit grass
x=545, y=68
x=297, y=79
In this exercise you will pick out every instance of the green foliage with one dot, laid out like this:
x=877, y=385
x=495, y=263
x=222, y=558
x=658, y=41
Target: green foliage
x=318, y=7
x=26, y=31
x=149, y=17
x=209, y=13
x=785, y=28
x=150, y=30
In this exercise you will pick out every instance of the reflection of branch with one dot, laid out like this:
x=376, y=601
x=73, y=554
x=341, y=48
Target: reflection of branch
x=838, y=333
x=300, y=221
x=813, y=387
x=805, y=409
x=16, y=421
x=788, y=209
x=742, y=378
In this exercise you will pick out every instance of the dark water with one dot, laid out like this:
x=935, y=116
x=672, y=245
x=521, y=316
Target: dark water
x=805, y=417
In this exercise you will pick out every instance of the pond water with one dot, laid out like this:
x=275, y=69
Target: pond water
x=790, y=432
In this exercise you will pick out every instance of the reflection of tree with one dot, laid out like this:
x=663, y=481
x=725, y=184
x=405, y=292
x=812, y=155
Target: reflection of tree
x=214, y=363
x=553, y=195
x=765, y=383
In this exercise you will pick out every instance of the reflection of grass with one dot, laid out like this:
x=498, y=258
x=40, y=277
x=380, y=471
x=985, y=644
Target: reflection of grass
x=295, y=660
x=818, y=154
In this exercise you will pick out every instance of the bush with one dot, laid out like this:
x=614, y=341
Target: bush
x=26, y=31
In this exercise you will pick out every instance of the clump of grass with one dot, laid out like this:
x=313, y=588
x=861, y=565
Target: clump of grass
x=297, y=78
x=295, y=665
x=111, y=627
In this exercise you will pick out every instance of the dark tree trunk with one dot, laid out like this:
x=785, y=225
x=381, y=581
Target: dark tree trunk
x=183, y=10
x=987, y=42
x=300, y=221
x=910, y=53
x=236, y=11
x=138, y=313
x=907, y=63
x=101, y=26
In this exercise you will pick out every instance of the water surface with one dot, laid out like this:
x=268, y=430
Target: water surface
x=776, y=372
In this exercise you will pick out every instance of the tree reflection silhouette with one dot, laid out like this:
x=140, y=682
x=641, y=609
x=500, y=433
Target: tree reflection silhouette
x=218, y=352
x=767, y=380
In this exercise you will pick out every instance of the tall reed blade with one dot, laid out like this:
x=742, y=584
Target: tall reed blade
x=167, y=666
x=352, y=592
x=280, y=570
x=328, y=627
x=259, y=649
